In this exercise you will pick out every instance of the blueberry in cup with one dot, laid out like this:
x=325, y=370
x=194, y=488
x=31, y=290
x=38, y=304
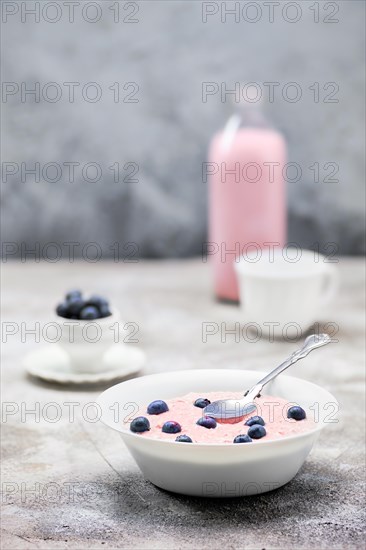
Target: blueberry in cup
x=75, y=306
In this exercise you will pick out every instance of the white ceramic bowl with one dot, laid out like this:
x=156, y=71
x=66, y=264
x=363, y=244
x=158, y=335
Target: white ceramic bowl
x=86, y=342
x=213, y=470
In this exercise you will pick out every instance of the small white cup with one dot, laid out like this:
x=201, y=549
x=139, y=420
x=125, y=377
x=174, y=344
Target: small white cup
x=86, y=342
x=284, y=291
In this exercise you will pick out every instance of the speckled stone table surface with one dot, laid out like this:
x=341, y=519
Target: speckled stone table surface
x=73, y=484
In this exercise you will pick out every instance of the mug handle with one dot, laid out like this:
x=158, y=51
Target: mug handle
x=331, y=284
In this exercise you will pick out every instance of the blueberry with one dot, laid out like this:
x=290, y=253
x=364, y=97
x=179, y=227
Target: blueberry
x=207, y=422
x=140, y=424
x=73, y=294
x=255, y=420
x=62, y=310
x=201, y=402
x=242, y=438
x=104, y=311
x=297, y=413
x=97, y=301
x=171, y=427
x=89, y=313
x=257, y=431
x=75, y=305
x=184, y=439
x=157, y=407
x=101, y=304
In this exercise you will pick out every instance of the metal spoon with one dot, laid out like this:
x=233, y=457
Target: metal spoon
x=227, y=410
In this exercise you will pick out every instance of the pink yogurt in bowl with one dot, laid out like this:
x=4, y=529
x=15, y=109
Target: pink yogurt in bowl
x=212, y=465
x=272, y=410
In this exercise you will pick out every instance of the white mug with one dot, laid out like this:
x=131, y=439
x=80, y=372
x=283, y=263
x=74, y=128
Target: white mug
x=284, y=290
x=86, y=342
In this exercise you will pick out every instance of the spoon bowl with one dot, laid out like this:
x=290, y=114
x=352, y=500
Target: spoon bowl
x=214, y=469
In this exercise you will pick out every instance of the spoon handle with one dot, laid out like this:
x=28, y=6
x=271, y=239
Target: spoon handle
x=313, y=341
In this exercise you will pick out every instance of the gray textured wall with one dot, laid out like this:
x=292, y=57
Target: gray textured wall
x=169, y=52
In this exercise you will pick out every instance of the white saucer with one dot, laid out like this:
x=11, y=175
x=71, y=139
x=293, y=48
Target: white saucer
x=51, y=363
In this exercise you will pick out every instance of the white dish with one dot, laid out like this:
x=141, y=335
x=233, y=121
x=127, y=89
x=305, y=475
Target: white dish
x=214, y=470
x=52, y=363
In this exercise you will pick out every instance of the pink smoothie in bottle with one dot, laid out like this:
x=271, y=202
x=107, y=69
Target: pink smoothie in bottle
x=247, y=202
